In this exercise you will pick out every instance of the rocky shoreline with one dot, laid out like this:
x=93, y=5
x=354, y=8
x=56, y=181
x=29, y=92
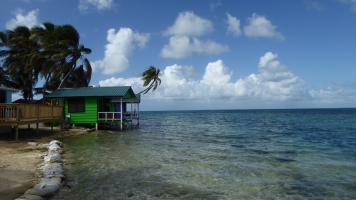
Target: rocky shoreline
x=32, y=168
x=50, y=173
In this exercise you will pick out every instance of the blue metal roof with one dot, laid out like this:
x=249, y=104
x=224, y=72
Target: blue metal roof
x=115, y=91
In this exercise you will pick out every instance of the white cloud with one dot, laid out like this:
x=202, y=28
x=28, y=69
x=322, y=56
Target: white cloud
x=233, y=25
x=188, y=24
x=274, y=82
x=119, y=48
x=30, y=19
x=259, y=26
x=98, y=4
x=183, y=40
x=352, y=3
x=273, y=87
x=183, y=46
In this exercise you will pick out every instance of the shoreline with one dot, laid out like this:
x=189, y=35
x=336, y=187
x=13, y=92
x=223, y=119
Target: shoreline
x=18, y=160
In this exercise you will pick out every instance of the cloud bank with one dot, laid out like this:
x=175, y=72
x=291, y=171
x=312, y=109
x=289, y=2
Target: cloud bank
x=275, y=86
x=274, y=82
x=119, y=48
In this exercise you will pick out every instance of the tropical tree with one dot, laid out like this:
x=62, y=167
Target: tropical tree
x=5, y=79
x=71, y=51
x=18, y=52
x=61, y=51
x=150, y=79
x=50, y=52
x=58, y=59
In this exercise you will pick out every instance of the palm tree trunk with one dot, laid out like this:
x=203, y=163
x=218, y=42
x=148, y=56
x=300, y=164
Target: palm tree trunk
x=66, y=77
x=44, y=90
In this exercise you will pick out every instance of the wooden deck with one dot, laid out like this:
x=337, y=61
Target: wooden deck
x=12, y=114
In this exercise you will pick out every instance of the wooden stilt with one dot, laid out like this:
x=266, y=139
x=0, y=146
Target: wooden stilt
x=37, y=134
x=16, y=133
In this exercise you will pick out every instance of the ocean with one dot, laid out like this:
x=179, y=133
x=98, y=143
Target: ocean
x=218, y=154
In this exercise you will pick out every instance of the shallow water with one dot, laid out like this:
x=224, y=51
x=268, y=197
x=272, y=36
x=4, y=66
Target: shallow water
x=224, y=154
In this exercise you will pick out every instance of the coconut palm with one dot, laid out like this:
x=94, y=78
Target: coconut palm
x=18, y=53
x=71, y=52
x=58, y=59
x=150, y=78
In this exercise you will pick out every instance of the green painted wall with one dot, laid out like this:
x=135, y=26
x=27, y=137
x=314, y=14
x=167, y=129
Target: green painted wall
x=128, y=95
x=89, y=116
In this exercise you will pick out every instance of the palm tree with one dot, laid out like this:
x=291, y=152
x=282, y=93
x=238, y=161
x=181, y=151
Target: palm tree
x=71, y=52
x=49, y=51
x=58, y=60
x=5, y=79
x=151, y=79
x=20, y=49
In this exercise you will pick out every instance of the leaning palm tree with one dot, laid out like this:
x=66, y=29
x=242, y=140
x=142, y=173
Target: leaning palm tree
x=5, y=79
x=71, y=52
x=18, y=54
x=150, y=78
x=61, y=51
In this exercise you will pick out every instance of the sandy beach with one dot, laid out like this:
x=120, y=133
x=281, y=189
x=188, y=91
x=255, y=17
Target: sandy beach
x=18, y=160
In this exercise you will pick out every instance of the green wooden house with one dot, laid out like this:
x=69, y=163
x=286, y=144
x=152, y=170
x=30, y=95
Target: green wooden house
x=117, y=105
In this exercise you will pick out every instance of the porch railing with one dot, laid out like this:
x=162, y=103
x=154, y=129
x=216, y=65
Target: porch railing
x=116, y=116
x=17, y=112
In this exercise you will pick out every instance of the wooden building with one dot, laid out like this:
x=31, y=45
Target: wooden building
x=15, y=114
x=99, y=105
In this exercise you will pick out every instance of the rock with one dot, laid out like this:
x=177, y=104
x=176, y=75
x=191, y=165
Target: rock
x=55, y=142
x=32, y=143
x=54, y=158
x=29, y=197
x=52, y=169
x=54, y=147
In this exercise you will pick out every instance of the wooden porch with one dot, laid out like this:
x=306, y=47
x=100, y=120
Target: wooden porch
x=116, y=118
x=12, y=114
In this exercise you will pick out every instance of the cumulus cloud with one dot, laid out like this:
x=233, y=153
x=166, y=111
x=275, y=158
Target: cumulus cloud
x=184, y=46
x=30, y=19
x=184, y=40
x=98, y=4
x=189, y=24
x=119, y=48
x=274, y=83
x=274, y=86
x=233, y=25
x=259, y=26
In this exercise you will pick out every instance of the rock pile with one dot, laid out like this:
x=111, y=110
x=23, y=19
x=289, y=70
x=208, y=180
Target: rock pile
x=50, y=173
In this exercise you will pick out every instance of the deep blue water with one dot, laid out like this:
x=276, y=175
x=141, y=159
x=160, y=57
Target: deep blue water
x=219, y=154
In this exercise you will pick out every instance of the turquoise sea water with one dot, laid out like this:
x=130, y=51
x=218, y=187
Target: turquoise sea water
x=220, y=154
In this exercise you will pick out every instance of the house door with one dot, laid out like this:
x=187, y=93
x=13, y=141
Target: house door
x=103, y=105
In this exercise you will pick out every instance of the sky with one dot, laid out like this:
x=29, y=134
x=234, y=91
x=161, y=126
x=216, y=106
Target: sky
x=213, y=54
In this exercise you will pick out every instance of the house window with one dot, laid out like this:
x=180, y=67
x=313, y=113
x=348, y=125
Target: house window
x=76, y=105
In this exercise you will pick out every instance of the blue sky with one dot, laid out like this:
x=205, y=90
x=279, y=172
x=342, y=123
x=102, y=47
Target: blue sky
x=213, y=54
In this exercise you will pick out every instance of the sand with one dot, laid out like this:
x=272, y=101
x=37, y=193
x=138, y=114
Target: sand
x=18, y=160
